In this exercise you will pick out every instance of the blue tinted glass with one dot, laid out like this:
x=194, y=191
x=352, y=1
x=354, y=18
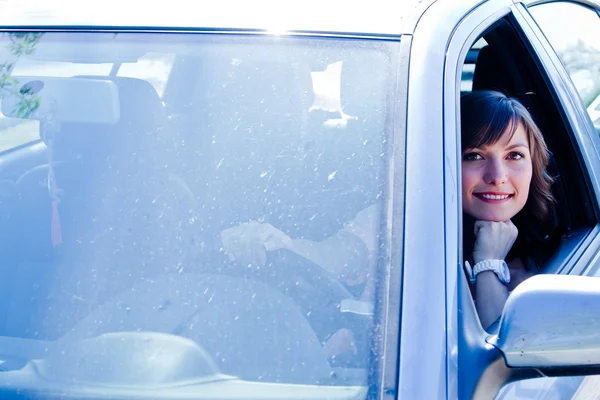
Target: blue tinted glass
x=195, y=210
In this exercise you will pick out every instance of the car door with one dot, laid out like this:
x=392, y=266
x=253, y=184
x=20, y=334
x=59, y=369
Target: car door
x=538, y=76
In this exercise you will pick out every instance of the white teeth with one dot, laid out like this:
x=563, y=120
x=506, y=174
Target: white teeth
x=494, y=197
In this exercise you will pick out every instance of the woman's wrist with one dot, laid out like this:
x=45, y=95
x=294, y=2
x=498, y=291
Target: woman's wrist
x=496, y=266
x=485, y=275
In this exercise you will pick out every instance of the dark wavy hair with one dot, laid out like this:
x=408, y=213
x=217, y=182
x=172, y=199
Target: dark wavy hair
x=485, y=116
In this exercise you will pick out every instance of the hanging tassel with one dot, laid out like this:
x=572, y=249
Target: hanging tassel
x=56, y=231
x=53, y=191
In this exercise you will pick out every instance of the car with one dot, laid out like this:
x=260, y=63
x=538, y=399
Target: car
x=133, y=136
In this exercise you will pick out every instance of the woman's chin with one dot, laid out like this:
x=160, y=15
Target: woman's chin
x=492, y=217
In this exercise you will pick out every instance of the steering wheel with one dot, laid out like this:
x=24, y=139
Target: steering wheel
x=315, y=291
x=321, y=303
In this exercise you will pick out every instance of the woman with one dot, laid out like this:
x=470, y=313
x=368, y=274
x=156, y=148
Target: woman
x=506, y=197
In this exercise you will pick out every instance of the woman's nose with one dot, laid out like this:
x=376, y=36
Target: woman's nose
x=495, y=173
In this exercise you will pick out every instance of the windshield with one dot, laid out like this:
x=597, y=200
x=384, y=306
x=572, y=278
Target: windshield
x=188, y=215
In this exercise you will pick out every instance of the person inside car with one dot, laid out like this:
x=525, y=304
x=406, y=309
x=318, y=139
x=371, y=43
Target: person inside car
x=506, y=197
x=506, y=202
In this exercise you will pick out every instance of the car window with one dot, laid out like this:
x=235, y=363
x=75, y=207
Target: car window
x=573, y=38
x=211, y=201
x=507, y=64
x=576, y=38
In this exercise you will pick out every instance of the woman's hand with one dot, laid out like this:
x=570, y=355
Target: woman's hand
x=249, y=242
x=493, y=240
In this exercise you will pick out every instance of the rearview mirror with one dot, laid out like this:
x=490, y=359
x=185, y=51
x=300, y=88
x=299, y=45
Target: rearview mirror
x=79, y=100
x=552, y=321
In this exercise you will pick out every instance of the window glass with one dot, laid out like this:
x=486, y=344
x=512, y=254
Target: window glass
x=576, y=38
x=153, y=67
x=15, y=132
x=208, y=213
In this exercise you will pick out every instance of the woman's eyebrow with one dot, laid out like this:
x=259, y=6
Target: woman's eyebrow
x=515, y=145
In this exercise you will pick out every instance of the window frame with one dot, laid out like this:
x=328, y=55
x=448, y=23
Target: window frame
x=470, y=348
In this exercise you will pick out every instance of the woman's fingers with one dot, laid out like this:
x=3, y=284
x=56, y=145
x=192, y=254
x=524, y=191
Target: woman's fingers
x=493, y=240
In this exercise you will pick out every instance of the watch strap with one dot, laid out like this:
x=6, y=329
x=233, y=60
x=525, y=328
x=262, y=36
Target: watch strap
x=499, y=267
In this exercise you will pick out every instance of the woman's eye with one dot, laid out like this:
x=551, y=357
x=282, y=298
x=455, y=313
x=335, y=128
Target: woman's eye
x=516, y=155
x=472, y=157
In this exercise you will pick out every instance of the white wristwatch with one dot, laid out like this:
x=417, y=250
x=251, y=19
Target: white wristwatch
x=499, y=267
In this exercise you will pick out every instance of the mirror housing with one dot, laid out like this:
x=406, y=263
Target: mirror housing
x=552, y=322
x=71, y=100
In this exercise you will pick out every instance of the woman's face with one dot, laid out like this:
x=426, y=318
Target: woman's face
x=496, y=178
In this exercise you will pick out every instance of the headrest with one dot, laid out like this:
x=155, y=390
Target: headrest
x=494, y=72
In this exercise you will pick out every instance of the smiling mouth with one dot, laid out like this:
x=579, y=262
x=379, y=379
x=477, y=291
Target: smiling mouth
x=490, y=197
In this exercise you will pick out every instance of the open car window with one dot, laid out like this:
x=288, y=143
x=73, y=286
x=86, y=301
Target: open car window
x=509, y=64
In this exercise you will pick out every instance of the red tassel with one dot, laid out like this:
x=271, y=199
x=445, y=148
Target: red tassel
x=56, y=232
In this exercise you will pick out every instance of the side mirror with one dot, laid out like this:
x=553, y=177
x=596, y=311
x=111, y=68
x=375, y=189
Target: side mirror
x=552, y=322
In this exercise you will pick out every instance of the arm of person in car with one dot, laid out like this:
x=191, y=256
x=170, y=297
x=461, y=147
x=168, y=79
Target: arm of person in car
x=491, y=295
x=344, y=255
x=493, y=241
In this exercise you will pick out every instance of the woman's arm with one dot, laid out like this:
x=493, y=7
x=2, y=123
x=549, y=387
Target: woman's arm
x=493, y=241
x=491, y=295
